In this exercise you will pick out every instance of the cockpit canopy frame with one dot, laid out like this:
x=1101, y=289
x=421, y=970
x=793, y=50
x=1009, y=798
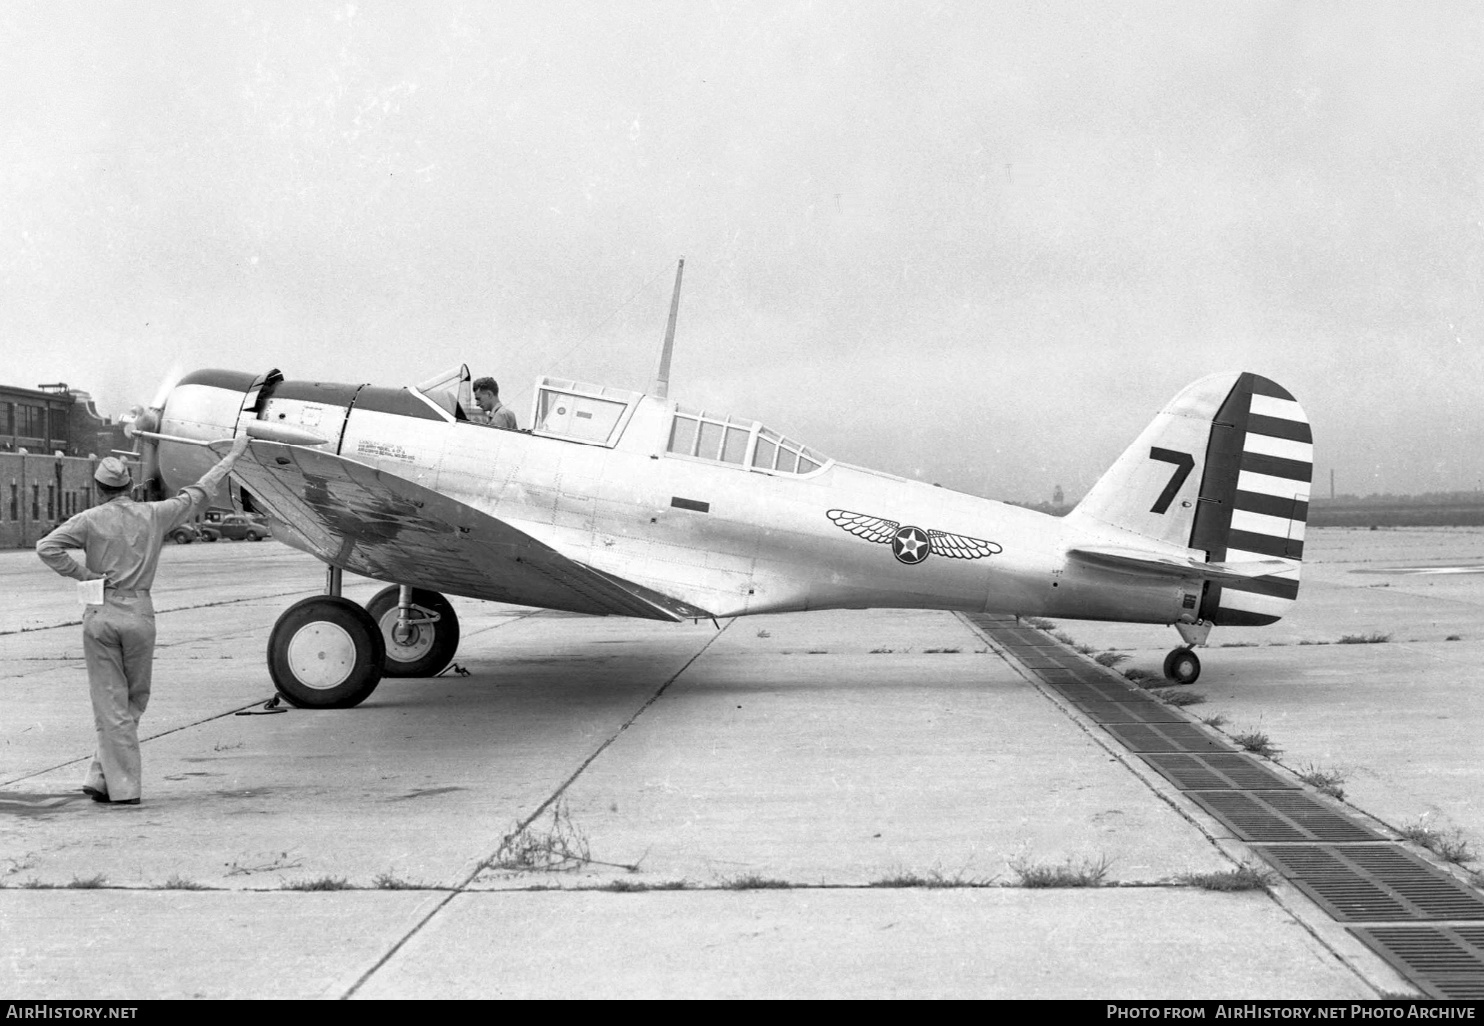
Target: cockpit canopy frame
x=576, y=411
x=747, y=444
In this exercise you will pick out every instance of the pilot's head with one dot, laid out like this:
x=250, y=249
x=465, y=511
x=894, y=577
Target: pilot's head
x=486, y=393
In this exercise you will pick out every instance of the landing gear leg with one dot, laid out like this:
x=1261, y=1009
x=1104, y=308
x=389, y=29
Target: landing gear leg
x=419, y=629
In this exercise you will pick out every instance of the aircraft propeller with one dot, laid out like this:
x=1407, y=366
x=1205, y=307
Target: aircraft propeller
x=141, y=423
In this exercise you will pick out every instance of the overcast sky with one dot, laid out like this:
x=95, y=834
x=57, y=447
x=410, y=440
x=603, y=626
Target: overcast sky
x=979, y=243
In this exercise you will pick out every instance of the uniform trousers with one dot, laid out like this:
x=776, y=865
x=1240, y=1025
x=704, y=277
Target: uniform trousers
x=118, y=641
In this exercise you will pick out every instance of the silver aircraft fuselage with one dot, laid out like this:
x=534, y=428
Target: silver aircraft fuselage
x=726, y=538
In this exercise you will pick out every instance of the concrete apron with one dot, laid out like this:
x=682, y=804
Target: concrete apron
x=783, y=751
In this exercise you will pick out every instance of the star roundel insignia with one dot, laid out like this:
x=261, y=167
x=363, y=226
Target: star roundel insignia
x=912, y=545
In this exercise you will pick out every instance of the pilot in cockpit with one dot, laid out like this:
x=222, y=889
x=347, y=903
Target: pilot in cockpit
x=498, y=415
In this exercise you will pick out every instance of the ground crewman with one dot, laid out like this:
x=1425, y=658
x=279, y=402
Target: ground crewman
x=121, y=540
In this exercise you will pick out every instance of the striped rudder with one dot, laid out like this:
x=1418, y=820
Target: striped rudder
x=1254, y=500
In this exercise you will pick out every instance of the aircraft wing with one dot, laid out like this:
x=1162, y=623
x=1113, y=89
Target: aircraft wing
x=1156, y=563
x=385, y=527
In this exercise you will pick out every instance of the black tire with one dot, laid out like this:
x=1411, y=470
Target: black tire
x=1182, y=666
x=209, y=536
x=181, y=536
x=325, y=653
x=254, y=536
x=433, y=645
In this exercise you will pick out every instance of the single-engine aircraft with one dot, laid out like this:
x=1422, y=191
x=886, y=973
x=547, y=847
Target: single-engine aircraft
x=630, y=504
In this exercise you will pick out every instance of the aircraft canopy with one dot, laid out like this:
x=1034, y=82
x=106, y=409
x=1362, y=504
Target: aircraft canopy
x=579, y=412
x=746, y=443
x=450, y=391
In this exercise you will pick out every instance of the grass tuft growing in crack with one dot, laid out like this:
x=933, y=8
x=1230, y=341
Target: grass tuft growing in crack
x=1249, y=876
x=1364, y=639
x=180, y=883
x=1256, y=742
x=388, y=882
x=1448, y=845
x=930, y=880
x=1324, y=781
x=637, y=886
x=323, y=883
x=754, y=882
x=1074, y=872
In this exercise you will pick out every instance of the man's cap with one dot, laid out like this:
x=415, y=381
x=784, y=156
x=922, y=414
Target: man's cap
x=112, y=472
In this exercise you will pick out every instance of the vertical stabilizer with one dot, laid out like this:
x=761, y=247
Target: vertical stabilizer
x=1224, y=469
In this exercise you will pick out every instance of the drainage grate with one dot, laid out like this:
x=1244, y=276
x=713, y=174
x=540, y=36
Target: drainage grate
x=1049, y=658
x=1164, y=737
x=1446, y=962
x=1079, y=675
x=1103, y=691
x=1224, y=771
x=1280, y=816
x=1023, y=637
x=1129, y=712
x=1374, y=882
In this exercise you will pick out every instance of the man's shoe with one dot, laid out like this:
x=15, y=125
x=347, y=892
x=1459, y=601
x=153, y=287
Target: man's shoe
x=95, y=794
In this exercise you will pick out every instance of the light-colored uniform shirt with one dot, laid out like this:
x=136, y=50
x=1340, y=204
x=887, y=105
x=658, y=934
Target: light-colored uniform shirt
x=501, y=417
x=121, y=539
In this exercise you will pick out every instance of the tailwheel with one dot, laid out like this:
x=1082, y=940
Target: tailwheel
x=325, y=653
x=425, y=645
x=1182, y=666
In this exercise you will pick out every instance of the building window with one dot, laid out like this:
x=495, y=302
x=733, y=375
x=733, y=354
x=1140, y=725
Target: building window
x=15, y=503
x=30, y=421
x=7, y=419
x=35, y=502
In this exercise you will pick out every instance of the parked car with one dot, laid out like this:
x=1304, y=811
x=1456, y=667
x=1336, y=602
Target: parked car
x=237, y=527
x=187, y=533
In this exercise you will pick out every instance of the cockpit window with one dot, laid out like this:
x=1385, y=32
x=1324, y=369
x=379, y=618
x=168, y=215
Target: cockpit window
x=724, y=439
x=594, y=414
x=450, y=391
x=582, y=417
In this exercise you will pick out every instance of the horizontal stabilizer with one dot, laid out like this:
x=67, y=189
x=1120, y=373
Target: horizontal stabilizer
x=1184, y=567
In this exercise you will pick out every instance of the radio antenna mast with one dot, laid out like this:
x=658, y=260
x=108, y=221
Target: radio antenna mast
x=661, y=386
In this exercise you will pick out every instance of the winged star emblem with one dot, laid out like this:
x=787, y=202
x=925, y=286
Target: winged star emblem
x=910, y=544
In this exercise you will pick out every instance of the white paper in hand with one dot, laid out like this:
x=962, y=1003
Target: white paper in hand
x=90, y=593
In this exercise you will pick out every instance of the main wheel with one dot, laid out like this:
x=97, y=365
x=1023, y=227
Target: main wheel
x=181, y=536
x=1182, y=666
x=325, y=653
x=429, y=647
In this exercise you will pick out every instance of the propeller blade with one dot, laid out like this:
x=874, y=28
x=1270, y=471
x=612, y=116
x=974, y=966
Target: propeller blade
x=167, y=383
